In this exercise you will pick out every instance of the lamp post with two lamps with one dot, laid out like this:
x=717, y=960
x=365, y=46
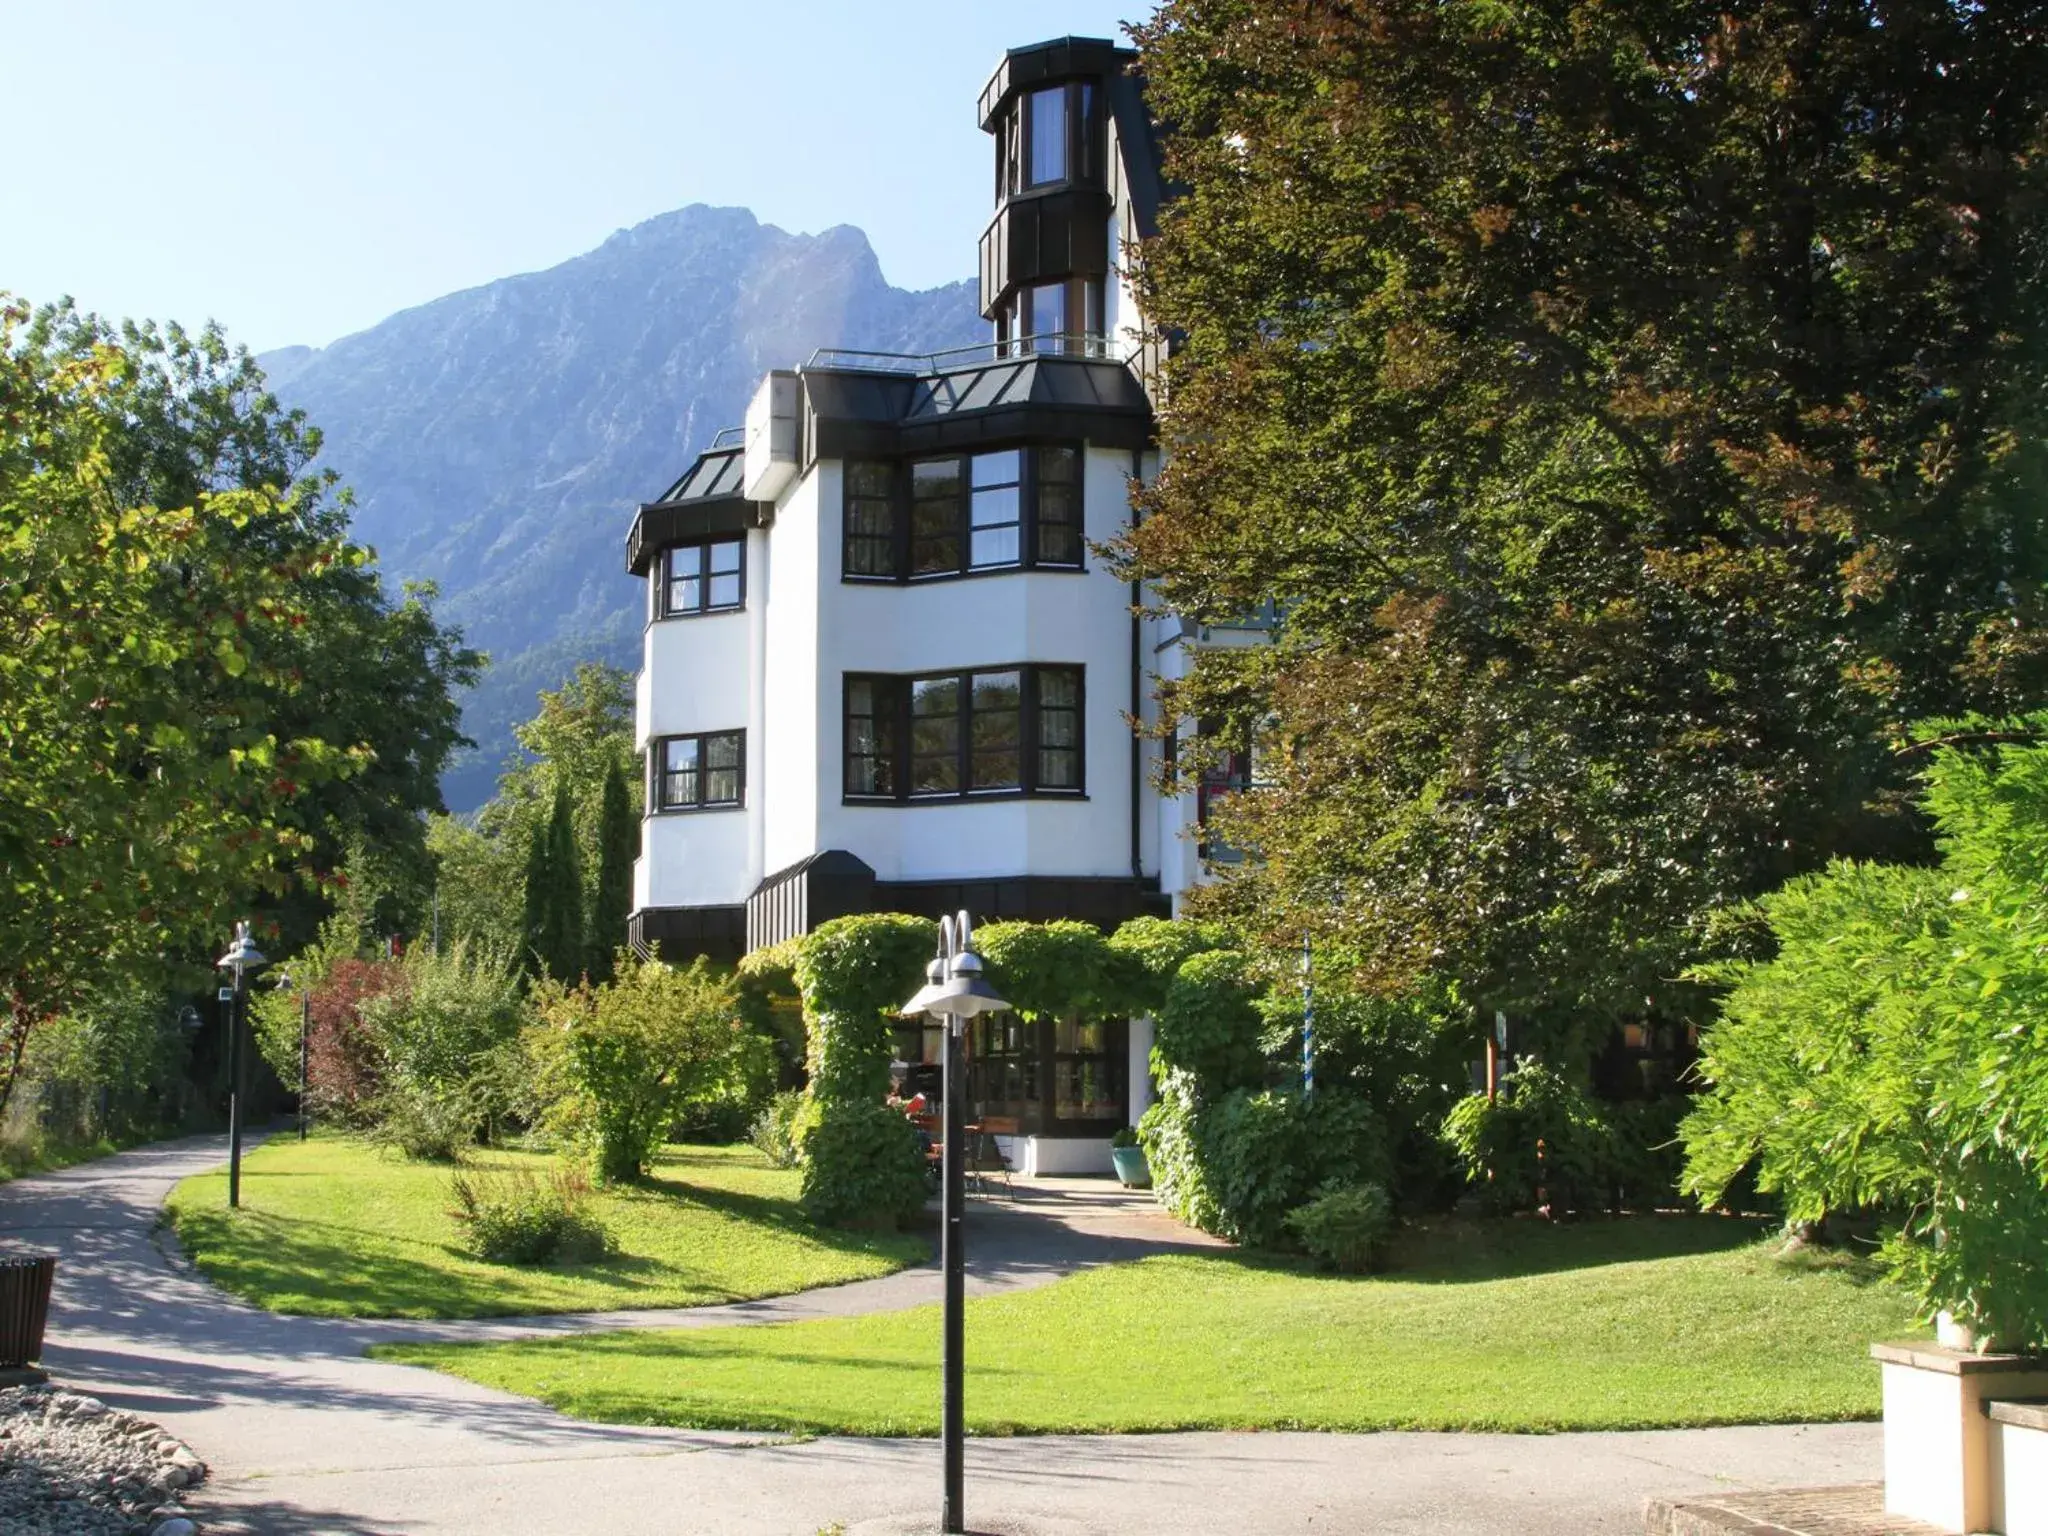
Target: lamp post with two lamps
x=954, y=992
x=243, y=960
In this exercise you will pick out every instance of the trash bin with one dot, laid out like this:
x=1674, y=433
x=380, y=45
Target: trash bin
x=24, y=1308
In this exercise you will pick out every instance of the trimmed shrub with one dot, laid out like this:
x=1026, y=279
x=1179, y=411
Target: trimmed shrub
x=774, y=1130
x=346, y=1056
x=1050, y=970
x=1345, y=1226
x=1147, y=952
x=440, y=1036
x=1209, y=1025
x=514, y=1218
x=862, y=1165
x=855, y=972
x=1238, y=1166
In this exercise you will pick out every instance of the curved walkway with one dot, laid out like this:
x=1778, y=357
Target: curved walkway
x=305, y=1436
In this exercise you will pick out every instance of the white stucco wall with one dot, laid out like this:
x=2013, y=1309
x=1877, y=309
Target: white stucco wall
x=692, y=859
x=792, y=667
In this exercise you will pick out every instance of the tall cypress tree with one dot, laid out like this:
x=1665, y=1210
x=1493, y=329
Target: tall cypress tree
x=533, y=914
x=618, y=841
x=560, y=942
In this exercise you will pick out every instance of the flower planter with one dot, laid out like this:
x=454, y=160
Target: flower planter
x=1132, y=1171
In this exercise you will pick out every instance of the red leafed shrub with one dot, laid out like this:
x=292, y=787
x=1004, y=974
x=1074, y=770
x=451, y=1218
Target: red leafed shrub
x=345, y=1059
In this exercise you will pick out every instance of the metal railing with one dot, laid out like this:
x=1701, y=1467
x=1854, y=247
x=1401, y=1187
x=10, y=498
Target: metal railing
x=728, y=437
x=952, y=359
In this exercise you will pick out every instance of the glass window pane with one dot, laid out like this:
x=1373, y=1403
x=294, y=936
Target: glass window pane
x=722, y=751
x=1059, y=686
x=681, y=753
x=935, y=736
x=725, y=556
x=994, y=547
x=687, y=561
x=722, y=786
x=1059, y=466
x=931, y=478
x=993, y=508
x=685, y=595
x=1005, y=468
x=866, y=477
x=1059, y=768
x=1048, y=309
x=1047, y=117
x=723, y=592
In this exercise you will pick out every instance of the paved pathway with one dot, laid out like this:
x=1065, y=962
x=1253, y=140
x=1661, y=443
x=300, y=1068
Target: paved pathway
x=305, y=1436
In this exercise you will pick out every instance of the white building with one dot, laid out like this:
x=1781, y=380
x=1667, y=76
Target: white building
x=884, y=669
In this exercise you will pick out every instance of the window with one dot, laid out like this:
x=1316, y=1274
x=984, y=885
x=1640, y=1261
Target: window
x=693, y=773
x=1089, y=1061
x=1052, y=136
x=703, y=578
x=1045, y=132
x=1063, y=317
x=976, y=512
x=1229, y=774
x=870, y=519
x=952, y=734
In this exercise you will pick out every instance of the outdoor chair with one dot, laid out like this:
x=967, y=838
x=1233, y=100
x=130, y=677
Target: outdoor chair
x=985, y=1163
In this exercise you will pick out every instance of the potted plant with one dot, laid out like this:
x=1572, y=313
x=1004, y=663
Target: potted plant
x=1132, y=1171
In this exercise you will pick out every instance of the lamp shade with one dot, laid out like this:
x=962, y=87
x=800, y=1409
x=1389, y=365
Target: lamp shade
x=955, y=987
x=242, y=955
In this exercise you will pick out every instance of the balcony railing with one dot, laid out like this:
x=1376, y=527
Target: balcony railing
x=954, y=359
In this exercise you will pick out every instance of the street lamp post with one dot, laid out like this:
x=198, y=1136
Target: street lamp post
x=954, y=992
x=242, y=959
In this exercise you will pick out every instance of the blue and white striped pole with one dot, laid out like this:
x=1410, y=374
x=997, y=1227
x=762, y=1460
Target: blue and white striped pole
x=1308, y=1020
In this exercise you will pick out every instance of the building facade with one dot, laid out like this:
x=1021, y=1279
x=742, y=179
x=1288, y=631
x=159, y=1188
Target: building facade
x=884, y=668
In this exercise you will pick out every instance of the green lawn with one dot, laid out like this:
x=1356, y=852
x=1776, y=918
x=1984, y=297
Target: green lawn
x=335, y=1227
x=1611, y=1325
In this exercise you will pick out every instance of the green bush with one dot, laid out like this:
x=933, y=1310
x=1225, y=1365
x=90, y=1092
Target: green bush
x=1050, y=970
x=638, y=1049
x=1237, y=1166
x=1209, y=1025
x=1889, y=1057
x=1147, y=952
x=514, y=1218
x=725, y=1108
x=1542, y=1136
x=862, y=1165
x=440, y=1037
x=1345, y=1226
x=855, y=973
x=773, y=1132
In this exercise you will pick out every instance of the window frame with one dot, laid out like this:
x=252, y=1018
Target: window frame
x=905, y=541
x=658, y=773
x=1083, y=114
x=665, y=579
x=891, y=696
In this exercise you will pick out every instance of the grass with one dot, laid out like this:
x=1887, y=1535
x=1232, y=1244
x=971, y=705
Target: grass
x=334, y=1227
x=1632, y=1324
x=39, y=1155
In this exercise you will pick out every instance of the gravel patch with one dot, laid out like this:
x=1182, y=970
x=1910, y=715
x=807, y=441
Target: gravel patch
x=72, y=1466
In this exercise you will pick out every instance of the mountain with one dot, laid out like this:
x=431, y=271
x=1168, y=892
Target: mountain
x=499, y=439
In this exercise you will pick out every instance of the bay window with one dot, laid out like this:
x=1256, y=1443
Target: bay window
x=1015, y=730
x=965, y=513
x=703, y=578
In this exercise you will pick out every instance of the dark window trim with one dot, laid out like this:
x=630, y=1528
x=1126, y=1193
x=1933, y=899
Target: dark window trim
x=895, y=689
x=1086, y=123
x=1030, y=501
x=657, y=755
x=664, y=585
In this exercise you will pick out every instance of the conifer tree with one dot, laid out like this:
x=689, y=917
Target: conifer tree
x=553, y=918
x=618, y=841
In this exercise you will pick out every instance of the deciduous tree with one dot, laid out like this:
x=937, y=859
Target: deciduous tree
x=1639, y=414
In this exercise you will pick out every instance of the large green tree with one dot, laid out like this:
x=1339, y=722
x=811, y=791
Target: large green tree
x=1638, y=414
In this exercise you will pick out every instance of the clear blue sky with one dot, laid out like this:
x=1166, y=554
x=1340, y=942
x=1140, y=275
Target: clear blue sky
x=298, y=172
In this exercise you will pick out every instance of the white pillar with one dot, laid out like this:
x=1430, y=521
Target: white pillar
x=1140, y=1073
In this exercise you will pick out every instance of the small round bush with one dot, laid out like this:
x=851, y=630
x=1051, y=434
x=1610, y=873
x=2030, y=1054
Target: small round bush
x=1345, y=1226
x=862, y=1165
x=514, y=1218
